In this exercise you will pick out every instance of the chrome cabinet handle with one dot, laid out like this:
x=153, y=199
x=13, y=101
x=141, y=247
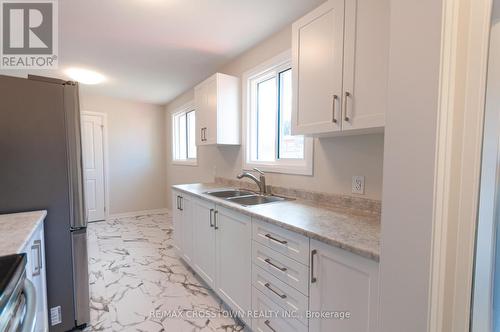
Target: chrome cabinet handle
x=269, y=236
x=335, y=97
x=268, y=261
x=211, y=217
x=215, y=219
x=268, y=324
x=346, y=96
x=178, y=202
x=313, y=278
x=268, y=286
x=181, y=202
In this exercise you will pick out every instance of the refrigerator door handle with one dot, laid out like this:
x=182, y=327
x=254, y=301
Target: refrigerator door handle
x=78, y=218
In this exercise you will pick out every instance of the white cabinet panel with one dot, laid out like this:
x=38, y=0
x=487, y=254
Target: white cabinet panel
x=233, y=238
x=177, y=221
x=204, y=240
x=187, y=228
x=366, y=59
x=340, y=68
x=317, y=46
x=342, y=281
x=218, y=110
x=183, y=225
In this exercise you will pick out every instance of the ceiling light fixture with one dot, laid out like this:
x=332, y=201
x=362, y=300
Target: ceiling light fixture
x=85, y=76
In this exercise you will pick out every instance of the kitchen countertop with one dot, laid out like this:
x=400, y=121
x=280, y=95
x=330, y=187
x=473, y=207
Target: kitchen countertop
x=16, y=229
x=357, y=234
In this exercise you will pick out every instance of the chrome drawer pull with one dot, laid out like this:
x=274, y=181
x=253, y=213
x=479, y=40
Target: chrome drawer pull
x=313, y=278
x=268, y=286
x=347, y=117
x=269, y=236
x=268, y=261
x=216, y=221
x=268, y=324
x=334, y=120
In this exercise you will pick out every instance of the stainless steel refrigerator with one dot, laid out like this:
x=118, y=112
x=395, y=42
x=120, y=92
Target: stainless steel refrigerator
x=41, y=168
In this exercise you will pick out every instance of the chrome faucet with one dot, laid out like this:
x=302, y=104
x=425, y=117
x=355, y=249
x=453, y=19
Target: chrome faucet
x=261, y=182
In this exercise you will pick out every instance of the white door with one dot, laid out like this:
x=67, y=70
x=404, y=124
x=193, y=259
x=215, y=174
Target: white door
x=233, y=259
x=93, y=166
x=204, y=240
x=342, y=282
x=317, y=53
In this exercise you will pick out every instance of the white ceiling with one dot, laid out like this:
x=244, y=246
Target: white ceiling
x=153, y=50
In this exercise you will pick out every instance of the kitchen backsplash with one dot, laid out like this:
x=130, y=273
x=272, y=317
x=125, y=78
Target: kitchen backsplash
x=352, y=204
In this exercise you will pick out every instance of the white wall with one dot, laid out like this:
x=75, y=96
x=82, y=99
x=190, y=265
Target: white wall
x=409, y=164
x=136, y=150
x=336, y=160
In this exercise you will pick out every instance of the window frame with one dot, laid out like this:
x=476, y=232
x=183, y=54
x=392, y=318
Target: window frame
x=304, y=166
x=185, y=109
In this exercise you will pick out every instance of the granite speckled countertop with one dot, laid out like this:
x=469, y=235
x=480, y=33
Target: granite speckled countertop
x=16, y=229
x=359, y=234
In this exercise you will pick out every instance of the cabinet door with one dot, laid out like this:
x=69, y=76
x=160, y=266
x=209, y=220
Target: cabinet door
x=366, y=57
x=234, y=269
x=187, y=228
x=343, y=282
x=200, y=97
x=206, y=112
x=210, y=115
x=317, y=52
x=204, y=240
x=177, y=221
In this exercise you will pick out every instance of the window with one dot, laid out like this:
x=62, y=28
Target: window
x=270, y=144
x=184, y=141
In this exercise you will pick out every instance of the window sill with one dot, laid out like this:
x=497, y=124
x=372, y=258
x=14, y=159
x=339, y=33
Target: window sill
x=185, y=162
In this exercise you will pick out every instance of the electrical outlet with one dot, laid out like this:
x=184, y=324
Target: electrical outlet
x=358, y=185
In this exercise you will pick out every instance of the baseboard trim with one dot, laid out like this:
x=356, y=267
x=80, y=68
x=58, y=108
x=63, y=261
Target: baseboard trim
x=137, y=213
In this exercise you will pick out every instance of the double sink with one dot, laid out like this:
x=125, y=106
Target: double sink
x=245, y=198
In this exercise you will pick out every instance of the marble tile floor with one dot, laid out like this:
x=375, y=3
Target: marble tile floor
x=138, y=283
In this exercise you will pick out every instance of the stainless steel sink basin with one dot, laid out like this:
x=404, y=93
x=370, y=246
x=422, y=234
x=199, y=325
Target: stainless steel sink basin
x=229, y=193
x=256, y=199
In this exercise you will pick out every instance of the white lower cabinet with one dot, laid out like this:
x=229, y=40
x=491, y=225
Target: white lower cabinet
x=342, y=282
x=233, y=260
x=288, y=281
x=183, y=226
x=35, y=272
x=204, y=241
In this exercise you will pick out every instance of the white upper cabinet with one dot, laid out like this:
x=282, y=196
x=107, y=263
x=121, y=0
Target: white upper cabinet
x=217, y=102
x=340, y=63
x=317, y=51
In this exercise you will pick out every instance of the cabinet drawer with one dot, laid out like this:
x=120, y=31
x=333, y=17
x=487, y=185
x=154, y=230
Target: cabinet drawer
x=286, y=269
x=288, y=243
x=273, y=323
x=285, y=296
